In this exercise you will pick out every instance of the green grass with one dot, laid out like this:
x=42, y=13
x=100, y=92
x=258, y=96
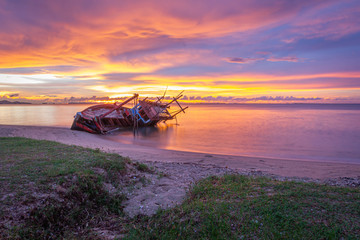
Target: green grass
x=24, y=160
x=228, y=207
x=239, y=207
x=31, y=166
x=143, y=167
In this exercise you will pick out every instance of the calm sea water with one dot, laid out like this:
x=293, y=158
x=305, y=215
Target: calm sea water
x=292, y=131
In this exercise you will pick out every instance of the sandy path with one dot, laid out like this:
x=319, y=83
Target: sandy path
x=182, y=169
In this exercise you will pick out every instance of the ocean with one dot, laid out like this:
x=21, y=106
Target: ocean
x=314, y=132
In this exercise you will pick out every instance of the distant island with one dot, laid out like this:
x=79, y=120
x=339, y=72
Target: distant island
x=16, y=102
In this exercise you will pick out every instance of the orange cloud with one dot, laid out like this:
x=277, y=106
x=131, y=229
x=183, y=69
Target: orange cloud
x=86, y=34
x=250, y=84
x=116, y=47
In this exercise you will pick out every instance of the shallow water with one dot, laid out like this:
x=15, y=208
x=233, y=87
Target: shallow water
x=296, y=131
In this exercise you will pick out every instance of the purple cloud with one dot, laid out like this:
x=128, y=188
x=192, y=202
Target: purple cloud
x=88, y=44
x=283, y=59
x=333, y=21
x=243, y=60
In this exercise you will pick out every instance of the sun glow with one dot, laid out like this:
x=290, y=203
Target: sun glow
x=228, y=50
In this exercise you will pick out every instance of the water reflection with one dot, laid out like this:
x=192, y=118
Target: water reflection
x=40, y=115
x=281, y=131
x=276, y=131
x=153, y=131
x=158, y=136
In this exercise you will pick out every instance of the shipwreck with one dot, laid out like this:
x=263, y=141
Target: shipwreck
x=105, y=118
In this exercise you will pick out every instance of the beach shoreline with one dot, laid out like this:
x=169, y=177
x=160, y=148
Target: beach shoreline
x=181, y=170
x=268, y=166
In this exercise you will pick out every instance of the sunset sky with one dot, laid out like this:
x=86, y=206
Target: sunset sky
x=229, y=50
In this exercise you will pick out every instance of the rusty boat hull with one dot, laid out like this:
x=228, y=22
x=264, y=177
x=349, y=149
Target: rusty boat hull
x=104, y=118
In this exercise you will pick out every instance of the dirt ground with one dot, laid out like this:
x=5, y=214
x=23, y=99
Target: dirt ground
x=177, y=171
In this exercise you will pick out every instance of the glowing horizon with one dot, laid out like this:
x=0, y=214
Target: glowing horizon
x=233, y=51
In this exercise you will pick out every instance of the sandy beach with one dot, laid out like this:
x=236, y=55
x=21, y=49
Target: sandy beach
x=279, y=167
x=182, y=169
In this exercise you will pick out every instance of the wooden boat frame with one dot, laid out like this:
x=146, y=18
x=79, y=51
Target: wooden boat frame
x=105, y=118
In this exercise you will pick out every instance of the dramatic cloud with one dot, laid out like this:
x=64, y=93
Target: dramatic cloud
x=35, y=33
x=332, y=22
x=59, y=49
x=252, y=99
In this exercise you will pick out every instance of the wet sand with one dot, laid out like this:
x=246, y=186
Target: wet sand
x=182, y=169
x=278, y=167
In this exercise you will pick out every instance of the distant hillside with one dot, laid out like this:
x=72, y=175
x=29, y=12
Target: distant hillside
x=16, y=102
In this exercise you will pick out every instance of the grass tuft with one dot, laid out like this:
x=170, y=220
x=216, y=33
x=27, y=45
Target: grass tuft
x=143, y=167
x=240, y=207
x=62, y=186
x=85, y=204
x=56, y=191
